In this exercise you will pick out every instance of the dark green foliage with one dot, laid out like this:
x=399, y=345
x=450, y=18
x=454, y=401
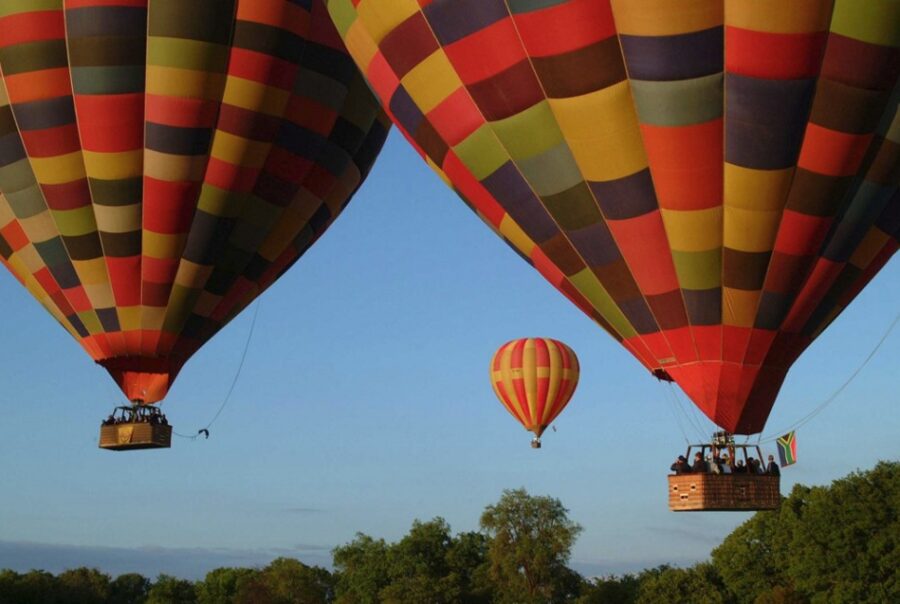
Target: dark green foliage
x=699, y=584
x=220, y=586
x=83, y=586
x=610, y=590
x=845, y=542
x=170, y=590
x=34, y=587
x=290, y=581
x=826, y=544
x=427, y=565
x=130, y=588
x=362, y=570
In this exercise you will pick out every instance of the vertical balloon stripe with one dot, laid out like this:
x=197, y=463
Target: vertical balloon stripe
x=308, y=171
x=187, y=55
x=674, y=66
x=34, y=63
x=553, y=382
x=33, y=230
x=22, y=259
x=851, y=96
x=106, y=48
x=768, y=98
x=534, y=378
x=500, y=384
x=291, y=236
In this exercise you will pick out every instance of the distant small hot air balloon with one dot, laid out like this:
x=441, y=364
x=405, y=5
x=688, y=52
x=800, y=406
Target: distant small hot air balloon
x=534, y=378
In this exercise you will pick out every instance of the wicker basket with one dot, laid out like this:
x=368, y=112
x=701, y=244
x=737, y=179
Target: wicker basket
x=138, y=435
x=723, y=492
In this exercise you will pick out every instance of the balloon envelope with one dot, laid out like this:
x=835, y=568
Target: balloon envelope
x=534, y=378
x=162, y=162
x=711, y=181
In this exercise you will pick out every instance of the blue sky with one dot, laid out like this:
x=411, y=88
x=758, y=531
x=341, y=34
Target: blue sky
x=364, y=403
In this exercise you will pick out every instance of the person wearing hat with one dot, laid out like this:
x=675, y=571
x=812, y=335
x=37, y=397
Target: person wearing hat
x=680, y=466
x=772, y=468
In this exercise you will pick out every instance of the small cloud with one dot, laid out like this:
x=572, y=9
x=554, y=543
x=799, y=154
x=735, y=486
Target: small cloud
x=699, y=535
x=309, y=547
x=301, y=510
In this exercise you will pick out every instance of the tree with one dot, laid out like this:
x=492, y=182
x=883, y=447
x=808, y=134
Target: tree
x=9, y=587
x=170, y=590
x=130, y=588
x=292, y=582
x=427, y=565
x=36, y=587
x=699, y=584
x=846, y=544
x=83, y=586
x=531, y=542
x=605, y=590
x=221, y=585
x=751, y=560
x=826, y=544
x=362, y=570
x=467, y=560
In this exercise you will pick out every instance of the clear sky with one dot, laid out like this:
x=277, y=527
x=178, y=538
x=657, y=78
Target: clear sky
x=364, y=403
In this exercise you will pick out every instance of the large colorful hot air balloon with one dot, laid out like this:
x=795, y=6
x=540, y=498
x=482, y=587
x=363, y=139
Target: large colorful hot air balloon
x=534, y=378
x=162, y=162
x=712, y=181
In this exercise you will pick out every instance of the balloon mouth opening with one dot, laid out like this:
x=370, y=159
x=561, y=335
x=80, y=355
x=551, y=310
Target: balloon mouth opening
x=144, y=381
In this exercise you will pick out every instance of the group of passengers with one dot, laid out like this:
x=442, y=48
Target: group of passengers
x=723, y=464
x=156, y=419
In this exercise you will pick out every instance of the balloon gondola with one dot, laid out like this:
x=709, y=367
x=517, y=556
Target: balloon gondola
x=712, y=182
x=731, y=479
x=135, y=427
x=534, y=378
x=163, y=162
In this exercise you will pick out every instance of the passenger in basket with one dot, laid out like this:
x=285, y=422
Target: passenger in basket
x=699, y=465
x=680, y=466
x=772, y=468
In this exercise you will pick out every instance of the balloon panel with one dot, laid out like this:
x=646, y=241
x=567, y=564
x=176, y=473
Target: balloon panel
x=711, y=181
x=534, y=378
x=164, y=162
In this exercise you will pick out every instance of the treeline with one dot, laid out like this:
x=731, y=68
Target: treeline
x=835, y=544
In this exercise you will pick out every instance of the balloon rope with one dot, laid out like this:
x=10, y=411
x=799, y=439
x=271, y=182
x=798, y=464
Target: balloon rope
x=690, y=412
x=233, y=382
x=677, y=419
x=840, y=389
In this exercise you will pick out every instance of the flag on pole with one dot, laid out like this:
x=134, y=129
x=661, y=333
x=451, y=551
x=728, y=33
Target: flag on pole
x=787, y=448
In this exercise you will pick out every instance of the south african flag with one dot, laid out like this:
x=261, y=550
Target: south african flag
x=787, y=448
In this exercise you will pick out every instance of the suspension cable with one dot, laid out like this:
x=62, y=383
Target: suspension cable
x=234, y=381
x=821, y=407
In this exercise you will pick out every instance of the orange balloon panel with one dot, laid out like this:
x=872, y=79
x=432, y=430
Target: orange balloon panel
x=534, y=378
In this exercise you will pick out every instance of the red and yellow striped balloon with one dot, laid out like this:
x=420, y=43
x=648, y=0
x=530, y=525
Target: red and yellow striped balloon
x=534, y=378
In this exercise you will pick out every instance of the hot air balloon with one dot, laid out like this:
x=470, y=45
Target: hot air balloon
x=163, y=162
x=712, y=181
x=534, y=378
